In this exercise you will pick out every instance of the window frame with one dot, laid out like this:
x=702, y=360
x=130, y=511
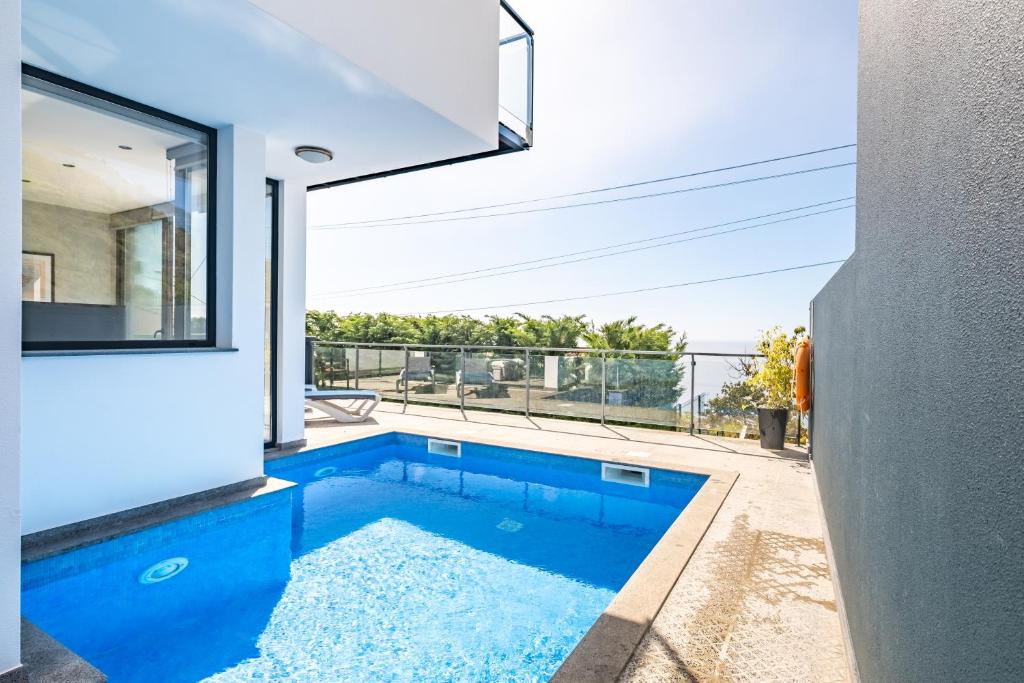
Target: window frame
x=210, y=339
x=275, y=232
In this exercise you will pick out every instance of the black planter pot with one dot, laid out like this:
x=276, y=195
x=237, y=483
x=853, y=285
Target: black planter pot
x=772, y=425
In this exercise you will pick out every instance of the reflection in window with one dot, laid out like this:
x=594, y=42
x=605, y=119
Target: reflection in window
x=115, y=206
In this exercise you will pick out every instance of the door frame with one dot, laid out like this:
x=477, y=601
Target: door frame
x=274, y=188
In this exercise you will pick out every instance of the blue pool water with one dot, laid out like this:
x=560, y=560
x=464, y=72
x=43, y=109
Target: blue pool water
x=385, y=563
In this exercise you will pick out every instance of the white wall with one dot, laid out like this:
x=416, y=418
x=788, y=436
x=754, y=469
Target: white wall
x=292, y=312
x=10, y=331
x=104, y=433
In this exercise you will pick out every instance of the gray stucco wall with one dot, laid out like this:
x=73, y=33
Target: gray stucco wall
x=919, y=349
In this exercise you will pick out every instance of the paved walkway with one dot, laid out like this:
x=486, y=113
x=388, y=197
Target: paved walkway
x=755, y=602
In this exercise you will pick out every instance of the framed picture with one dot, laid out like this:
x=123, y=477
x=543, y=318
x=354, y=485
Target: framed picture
x=37, y=276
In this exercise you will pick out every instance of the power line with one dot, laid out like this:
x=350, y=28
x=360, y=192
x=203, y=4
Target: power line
x=586, y=192
x=596, y=203
x=582, y=252
x=635, y=291
x=614, y=253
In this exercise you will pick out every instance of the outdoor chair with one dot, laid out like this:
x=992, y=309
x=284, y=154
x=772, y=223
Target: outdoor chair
x=477, y=373
x=419, y=370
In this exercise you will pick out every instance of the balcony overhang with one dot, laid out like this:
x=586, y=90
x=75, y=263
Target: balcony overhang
x=508, y=141
x=382, y=85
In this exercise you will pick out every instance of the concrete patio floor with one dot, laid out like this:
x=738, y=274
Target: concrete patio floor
x=755, y=602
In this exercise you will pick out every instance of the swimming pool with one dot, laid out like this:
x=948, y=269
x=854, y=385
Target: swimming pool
x=386, y=563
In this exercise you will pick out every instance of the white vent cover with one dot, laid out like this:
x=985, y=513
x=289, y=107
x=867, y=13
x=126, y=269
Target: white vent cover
x=625, y=474
x=452, y=449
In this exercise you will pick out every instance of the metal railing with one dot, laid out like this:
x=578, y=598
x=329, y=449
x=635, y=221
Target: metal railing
x=687, y=391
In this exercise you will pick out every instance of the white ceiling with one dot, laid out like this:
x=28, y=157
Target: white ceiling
x=223, y=62
x=105, y=178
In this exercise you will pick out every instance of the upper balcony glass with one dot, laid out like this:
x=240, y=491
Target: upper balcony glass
x=515, y=76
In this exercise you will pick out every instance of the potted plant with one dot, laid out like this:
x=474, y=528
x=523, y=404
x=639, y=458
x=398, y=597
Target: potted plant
x=773, y=378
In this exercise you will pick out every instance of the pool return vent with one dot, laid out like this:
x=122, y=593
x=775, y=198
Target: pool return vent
x=625, y=474
x=452, y=449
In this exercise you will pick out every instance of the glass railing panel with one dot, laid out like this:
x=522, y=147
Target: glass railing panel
x=796, y=428
x=565, y=384
x=494, y=380
x=515, y=76
x=513, y=68
x=724, y=404
x=431, y=377
x=379, y=370
x=330, y=367
x=646, y=390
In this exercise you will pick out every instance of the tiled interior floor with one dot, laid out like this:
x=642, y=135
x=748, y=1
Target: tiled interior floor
x=756, y=601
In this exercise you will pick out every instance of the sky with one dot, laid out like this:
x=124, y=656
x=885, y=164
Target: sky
x=625, y=92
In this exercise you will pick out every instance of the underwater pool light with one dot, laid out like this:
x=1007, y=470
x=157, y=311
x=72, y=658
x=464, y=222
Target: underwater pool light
x=163, y=570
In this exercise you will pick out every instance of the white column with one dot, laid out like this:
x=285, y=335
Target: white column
x=241, y=202
x=292, y=312
x=10, y=334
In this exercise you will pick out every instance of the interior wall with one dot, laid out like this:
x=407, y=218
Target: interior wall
x=108, y=432
x=83, y=246
x=918, y=432
x=10, y=333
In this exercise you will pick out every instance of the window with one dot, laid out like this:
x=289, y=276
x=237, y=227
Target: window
x=116, y=213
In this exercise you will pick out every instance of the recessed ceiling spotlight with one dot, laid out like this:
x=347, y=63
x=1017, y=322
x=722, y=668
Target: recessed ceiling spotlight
x=125, y=147
x=314, y=155
x=68, y=165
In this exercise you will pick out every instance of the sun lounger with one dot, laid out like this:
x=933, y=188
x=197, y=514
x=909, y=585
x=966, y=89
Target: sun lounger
x=477, y=373
x=359, y=403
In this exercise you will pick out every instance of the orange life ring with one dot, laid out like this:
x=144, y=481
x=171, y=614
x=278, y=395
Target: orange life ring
x=802, y=375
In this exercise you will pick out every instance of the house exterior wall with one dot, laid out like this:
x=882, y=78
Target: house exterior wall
x=104, y=433
x=918, y=424
x=10, y=333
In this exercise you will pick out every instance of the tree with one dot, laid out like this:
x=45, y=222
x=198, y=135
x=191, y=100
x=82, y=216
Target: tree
x=505, y=331
x=325, y=325
x=739, y=398
x=773, y=374
x=627, y=334
x=650, y=381
x=454, y=330
x=559, y=333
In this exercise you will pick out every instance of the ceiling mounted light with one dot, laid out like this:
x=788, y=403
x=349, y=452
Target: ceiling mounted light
x=314, y=155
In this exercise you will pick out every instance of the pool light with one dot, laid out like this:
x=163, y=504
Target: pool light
x=163, y=570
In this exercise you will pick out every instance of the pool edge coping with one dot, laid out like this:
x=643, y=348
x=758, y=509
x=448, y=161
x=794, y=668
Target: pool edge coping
x=607, y=647
x=47, y=543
